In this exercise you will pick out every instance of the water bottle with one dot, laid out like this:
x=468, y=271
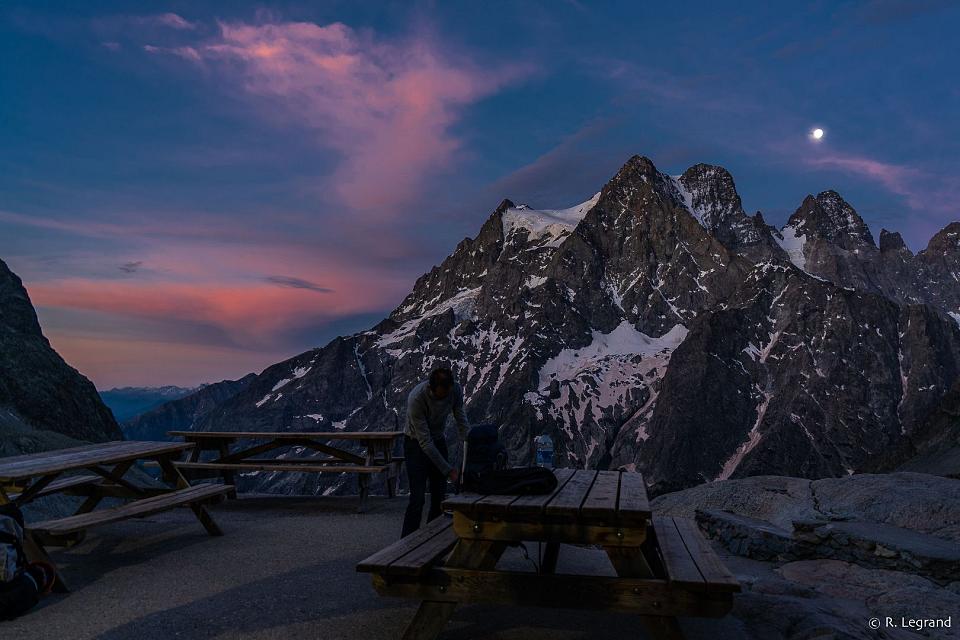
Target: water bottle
x=544, y=444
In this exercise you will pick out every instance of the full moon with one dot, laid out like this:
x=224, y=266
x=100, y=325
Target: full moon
x=817, y=134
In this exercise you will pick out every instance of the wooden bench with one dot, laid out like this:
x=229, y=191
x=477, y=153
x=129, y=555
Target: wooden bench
x=688, y=559
x=71, y=485
x=416, y=553
x=57, y=531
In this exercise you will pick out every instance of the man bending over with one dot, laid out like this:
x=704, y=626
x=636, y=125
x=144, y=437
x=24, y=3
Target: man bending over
x=429, y=406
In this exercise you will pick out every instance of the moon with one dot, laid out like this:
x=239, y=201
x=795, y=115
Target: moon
x=817, y=133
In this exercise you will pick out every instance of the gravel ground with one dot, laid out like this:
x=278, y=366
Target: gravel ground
x=283, y=569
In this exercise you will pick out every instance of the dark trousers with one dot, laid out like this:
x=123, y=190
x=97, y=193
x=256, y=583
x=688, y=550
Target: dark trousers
x=420, y=470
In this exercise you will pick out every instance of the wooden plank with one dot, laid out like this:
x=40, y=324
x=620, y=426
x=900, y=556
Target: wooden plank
x=600, y=503
x=22, y=467
x=462, y=501
x=137, y=508
x=643, y=596
x=494, y=504
x=714, y=572
x=680, y=567
x=570, y=532
x=287, y=435
x=533, y=505
x=274, y=466
x=633, y=503
x=383, y=558
x=568, y=501
x=64, y=485
x=418, y=560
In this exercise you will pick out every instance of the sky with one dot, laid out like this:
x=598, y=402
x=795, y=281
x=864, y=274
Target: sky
x=192, y=191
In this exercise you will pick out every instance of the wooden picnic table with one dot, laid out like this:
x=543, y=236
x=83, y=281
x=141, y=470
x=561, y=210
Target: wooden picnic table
x=27, y=477
x=664, y=566
x=377, y=459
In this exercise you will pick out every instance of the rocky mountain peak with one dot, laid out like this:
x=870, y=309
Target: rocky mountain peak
x=711, y=193
x=946, y=241
x=830, y=217
x=16, y=311
x=892, y=242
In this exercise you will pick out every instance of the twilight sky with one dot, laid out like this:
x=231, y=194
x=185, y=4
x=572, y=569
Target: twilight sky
x=195, y=190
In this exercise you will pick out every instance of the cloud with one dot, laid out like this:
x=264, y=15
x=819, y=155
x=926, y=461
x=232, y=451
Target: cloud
x=131, y=267
x=168, y=20
x=296, y=283
x=922, y=191
x=387, y=107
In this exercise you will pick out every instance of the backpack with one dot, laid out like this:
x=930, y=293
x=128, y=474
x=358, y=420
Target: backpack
x=19, y=591
x=482, y=452
x=485, y=462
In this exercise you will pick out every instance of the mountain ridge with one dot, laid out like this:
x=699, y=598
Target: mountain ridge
x=545, y=317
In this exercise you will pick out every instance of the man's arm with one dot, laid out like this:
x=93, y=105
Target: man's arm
x=418, y=418
x=463, y=425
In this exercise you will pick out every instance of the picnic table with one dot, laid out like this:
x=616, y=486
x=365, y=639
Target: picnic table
x=664, y=567
x=27, y=477
x=377, y=459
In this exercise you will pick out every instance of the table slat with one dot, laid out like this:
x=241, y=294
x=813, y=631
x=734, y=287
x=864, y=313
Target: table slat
x=28, y=466
x=569, y=500
x=533, y=505
x=633, y=503
x=602, y=499
x=286, y=435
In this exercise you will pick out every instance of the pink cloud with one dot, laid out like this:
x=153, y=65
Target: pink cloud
x=922, y=191
x=386, y=107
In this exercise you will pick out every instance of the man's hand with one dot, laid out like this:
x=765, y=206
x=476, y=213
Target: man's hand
x=454, y=475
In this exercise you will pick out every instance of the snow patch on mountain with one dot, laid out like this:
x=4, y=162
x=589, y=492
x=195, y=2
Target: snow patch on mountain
x=792, y=242
x=548, y=226
x=602, y=384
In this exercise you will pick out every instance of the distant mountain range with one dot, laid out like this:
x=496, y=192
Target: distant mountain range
x=44, y=402
x=657, y=326
x=127, y=402
x=182, y=413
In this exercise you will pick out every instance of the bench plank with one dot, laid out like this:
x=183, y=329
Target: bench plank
x=382, y=559
x=280, y=465
x=680, y=566
x=711, y=567
x=137, y=508
x=417, y=561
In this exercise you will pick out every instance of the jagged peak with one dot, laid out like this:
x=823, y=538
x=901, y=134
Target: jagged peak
x=504, y=205
x=892, y=242
x=947, y=240
x=827, y=215
x=710, y=194
x=16, y=311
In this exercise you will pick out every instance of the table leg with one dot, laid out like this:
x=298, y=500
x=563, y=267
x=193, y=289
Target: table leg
x=35, y=551
x=629, y=562
x=551, y=554
x=228, y=476
x=363, y=482
x=432, y=616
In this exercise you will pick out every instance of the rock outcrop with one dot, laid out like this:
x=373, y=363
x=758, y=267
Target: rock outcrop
x=820, y=559
x=44, y=402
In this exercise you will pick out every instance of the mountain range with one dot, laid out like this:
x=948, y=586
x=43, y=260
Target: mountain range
x=657, y=327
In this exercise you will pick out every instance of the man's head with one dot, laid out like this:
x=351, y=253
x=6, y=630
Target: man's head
x=441, y=382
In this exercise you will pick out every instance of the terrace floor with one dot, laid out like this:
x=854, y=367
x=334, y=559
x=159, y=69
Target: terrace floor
x=283, y=569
